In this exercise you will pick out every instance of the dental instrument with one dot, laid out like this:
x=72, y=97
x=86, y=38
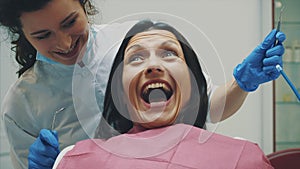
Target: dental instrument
x=279, y=23
x=280, y=70
x=54, y=117
x=278, y=67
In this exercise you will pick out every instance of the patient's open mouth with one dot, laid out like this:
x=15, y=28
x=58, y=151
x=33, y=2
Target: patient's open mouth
x=156, y=92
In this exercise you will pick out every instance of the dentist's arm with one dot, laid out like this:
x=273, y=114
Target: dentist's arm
x=226, y=100
x=258, y=68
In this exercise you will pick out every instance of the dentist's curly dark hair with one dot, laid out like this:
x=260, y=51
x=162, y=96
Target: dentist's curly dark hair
x=114, y=123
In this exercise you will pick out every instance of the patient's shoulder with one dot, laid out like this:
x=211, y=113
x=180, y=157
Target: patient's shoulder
x=61, y=155
x=219, y=149
x=253, y=154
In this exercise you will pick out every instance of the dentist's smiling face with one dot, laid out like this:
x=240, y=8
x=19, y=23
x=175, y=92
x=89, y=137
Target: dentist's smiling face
x=156, y=78
x=58, y=31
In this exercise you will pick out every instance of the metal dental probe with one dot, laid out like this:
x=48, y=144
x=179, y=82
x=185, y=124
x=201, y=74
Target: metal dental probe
x=279, y=23
x=279, y=68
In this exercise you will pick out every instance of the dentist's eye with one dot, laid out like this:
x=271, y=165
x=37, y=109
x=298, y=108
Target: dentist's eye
x=46, y=35
x=70, y=23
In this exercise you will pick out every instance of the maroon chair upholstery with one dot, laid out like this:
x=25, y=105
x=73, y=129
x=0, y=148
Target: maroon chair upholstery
x=285, y=159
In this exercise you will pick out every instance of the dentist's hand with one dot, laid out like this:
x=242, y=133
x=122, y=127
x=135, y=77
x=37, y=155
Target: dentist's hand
x=44, y=150
x=260, y=66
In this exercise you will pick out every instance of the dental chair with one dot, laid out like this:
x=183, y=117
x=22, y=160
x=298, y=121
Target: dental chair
x=285, y=159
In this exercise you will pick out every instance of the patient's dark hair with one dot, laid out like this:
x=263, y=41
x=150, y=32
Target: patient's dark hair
x=10, y=12
x=114, y=123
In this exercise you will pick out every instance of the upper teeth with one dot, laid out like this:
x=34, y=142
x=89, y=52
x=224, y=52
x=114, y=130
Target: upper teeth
x=156, y=85
x=68, y=50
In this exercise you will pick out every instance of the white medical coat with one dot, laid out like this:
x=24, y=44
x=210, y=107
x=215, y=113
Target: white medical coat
x=45, y=95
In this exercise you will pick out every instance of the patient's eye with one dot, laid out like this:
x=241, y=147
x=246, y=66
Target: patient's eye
x=168, y=53
x=137, y=56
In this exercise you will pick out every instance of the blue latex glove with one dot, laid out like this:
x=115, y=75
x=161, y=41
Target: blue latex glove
x=44, y=150
x=260, y=66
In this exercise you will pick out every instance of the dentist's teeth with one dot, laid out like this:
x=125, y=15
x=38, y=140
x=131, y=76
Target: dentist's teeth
x=68, y=51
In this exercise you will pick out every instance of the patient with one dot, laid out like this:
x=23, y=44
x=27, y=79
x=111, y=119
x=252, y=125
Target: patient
x=156, y=95
x=155, y=106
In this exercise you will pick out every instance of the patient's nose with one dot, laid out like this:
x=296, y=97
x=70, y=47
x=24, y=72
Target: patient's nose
x=154, y=71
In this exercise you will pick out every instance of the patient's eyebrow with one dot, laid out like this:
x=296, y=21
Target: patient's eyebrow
x=134, y=47
x=169, y=42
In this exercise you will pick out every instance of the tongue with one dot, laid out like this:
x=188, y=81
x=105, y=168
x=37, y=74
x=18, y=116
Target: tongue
x=158, y=101
x=157, y=96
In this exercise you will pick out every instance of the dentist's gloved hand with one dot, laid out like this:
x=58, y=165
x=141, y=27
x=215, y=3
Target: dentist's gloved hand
x=44, y=150
x=260, y=66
